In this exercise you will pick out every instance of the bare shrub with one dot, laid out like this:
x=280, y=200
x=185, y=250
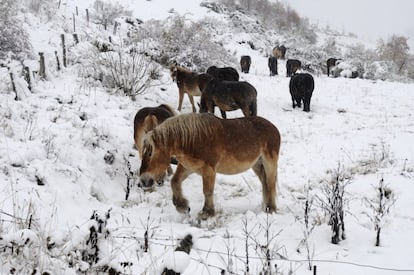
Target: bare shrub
x=124, y=69
x=333, y=201
x=380, y=207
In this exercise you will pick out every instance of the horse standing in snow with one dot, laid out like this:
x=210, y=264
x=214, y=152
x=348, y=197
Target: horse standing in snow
x=225, y=73
x=301, y=87
x=206, y=145
x=188, y=82
x=229, y=96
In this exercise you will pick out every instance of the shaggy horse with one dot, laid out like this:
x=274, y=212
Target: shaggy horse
x=331, y=62
x=292, y=65
x=146, y=119
x=206, y=145
x=245, y=62
x=279, y=51
x=229, y=96
x=301, y=88
x=272, y=64
x=188, y=82
x=225, y=73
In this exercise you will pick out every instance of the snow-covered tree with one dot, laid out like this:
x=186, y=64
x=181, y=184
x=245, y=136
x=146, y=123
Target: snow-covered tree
x=14, y=40
x=105, y=12
x=396, y=49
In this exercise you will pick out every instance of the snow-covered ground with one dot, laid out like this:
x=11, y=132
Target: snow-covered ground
x=53, y=173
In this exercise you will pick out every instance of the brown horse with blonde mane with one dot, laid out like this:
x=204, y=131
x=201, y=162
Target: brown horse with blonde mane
x=206, y=145
x=146, y=119
x=188, y=82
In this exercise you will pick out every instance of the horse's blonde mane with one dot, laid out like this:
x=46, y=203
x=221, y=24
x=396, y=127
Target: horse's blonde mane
x=185, y=131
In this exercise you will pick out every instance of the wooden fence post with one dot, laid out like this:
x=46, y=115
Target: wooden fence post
x=57, y=61
x=76, y=38
x=115, y=27
x=63, y=49
x=13, y=84
x=27, y=77
x=314, y=270
x=42, y=66
x=74, y=22
x=87, y=16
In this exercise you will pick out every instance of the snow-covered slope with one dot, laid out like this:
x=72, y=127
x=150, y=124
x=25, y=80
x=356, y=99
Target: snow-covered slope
x=57, y=144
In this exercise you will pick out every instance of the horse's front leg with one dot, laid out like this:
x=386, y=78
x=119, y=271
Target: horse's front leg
x=180, y=202
x=180, y=98
x=223, y=114
x=209, y=179
x=192, y=102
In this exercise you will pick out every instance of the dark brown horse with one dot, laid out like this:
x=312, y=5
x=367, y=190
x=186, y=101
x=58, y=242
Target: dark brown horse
x=229, y=96
x=301, y=87
x=188, y=82
x=245, y=62
x=331, y=62
x=225, y=73
x=146, y=119
x=292, y=65
x=206, y=145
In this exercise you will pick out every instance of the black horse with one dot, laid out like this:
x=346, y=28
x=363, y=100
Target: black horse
x=225, y=73
x=292, y=65
x=331, y=62
x=245, y=62
x=229, y=96
x=301, y=87
x=272, y=63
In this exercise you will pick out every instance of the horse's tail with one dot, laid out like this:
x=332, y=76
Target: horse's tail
x=253, y=108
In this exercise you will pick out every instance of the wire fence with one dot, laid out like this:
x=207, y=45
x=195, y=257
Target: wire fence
x=162, y=242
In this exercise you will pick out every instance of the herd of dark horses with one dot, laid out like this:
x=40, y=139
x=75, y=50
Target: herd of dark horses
x=205, y=144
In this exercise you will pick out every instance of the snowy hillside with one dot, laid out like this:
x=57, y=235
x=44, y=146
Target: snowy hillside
x=67, y=154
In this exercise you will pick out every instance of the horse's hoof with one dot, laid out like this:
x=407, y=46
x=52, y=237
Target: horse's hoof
x=270, y=209
x=205, y=214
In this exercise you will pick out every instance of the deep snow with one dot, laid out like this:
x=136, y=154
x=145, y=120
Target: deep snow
x=59, y=134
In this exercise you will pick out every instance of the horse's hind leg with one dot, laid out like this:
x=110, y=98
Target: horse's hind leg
x=192, y=102
x=267, y=175
x=180, y=202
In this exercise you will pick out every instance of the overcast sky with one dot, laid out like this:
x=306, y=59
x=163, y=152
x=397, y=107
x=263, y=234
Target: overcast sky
x=370, y=19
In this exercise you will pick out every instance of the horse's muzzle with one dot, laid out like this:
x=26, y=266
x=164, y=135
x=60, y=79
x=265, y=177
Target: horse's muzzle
x=146, y=183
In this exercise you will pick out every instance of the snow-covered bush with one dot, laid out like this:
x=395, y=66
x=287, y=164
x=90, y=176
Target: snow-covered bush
x=42, y=8
x=379, y=70
x=14, y=39
x=188, y=43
